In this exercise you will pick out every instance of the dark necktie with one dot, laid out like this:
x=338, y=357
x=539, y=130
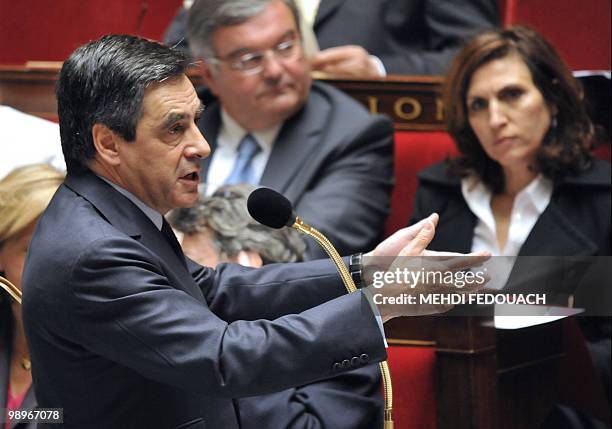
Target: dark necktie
x=243, y=171
x=171, y=238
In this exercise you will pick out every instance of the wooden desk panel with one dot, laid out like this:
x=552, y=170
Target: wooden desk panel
x=411, y=101
x=487, y=378
x=31, y=90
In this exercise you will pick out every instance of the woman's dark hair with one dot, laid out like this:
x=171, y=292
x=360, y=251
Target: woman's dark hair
x=566, y=146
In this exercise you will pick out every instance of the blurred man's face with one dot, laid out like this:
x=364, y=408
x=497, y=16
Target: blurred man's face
x=260, y=99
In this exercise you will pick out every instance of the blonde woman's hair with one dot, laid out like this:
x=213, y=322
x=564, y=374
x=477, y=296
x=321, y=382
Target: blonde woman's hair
x=24, y=195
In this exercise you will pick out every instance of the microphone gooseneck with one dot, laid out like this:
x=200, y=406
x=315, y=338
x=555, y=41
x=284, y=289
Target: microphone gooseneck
x=272, y=209
x=11, y=289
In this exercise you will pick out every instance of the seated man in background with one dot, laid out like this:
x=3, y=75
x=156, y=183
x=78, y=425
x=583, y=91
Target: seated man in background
x=219, y=229
x=272, y=126
x=365, y=38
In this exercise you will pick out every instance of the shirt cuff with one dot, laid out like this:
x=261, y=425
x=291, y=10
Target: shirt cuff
x=382, y=71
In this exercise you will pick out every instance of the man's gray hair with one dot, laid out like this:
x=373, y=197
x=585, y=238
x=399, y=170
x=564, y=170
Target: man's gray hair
x=205, y=16
x=225, y=215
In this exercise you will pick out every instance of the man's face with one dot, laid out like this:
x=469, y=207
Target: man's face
x=264, y=99
x=162, y=165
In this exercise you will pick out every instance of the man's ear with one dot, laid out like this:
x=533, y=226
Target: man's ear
x=208, y=75
x=106, y=142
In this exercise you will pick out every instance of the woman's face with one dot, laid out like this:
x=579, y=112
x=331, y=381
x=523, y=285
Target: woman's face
x=507, y=112
x=13, y=253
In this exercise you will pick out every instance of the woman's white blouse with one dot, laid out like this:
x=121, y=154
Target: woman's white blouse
x=528, y=205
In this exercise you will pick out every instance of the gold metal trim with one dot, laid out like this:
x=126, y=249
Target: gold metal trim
x=11, y=289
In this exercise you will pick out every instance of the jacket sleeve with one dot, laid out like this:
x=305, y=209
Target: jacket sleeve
x=447, y=25
x=351, y=400
x=231, y=289
x=126, y=310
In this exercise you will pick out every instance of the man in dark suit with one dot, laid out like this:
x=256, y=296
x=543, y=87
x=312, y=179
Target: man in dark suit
x=407, y=37
x=321, y=149
x=123, y=330
x=365, y=38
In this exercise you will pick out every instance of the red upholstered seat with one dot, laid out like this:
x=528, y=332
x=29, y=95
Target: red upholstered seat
x=414, y=393
x=603, y=152
x=413, y=152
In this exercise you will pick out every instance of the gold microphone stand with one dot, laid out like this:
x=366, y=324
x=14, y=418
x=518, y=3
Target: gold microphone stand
x=11, y=289
x=350, y=287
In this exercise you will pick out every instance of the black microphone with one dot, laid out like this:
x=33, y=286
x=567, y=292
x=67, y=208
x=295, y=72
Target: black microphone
x=274, y=210
x=270, y=208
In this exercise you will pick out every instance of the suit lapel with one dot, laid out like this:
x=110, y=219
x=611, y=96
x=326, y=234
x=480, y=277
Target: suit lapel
x=553, y=240
x=297, y=141
x=129, y=219
x=326, y=8
x=554, y=234
x=175, y=265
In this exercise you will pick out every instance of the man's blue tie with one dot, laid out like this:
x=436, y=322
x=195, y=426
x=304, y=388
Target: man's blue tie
x=243, y=171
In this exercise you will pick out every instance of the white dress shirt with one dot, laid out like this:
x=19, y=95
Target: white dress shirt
x=528, y=205
x=225, y=154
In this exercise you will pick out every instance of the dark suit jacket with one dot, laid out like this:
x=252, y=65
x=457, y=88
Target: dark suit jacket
x=29, y=401
x=126, y=333
x=334, y=162
x=409, y=36
x=351, y=400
